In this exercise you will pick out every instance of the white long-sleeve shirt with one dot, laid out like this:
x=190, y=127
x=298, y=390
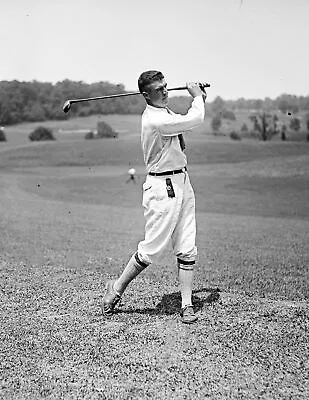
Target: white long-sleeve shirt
x=159, y=137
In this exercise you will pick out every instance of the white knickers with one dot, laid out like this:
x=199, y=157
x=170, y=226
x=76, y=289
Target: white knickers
x=168, y=218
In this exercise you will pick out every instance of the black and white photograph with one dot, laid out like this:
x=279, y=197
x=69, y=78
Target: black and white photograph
x=154, y=200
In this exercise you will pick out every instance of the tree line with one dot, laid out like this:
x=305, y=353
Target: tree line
x=39, y=101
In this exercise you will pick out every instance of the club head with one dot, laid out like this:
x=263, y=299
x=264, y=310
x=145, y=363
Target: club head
x=66, y=107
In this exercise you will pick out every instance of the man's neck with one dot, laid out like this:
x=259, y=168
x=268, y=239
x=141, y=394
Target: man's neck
x=154, y=105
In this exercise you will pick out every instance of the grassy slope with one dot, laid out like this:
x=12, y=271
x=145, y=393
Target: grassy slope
x=65, y=230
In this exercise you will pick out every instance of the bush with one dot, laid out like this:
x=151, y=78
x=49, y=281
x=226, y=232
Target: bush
x=2, y=135
x=244, y=128
x=227, y=114
x=234, y=135
x=216, y=124
x=105, y=131
x=295, y=124
x=41, y=133
x=89, y=135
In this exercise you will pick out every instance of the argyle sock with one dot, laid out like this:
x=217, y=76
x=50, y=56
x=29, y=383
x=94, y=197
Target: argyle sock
x=134, y=267
x=185, y=275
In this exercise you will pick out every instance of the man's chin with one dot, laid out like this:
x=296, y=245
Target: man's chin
x=161, y=104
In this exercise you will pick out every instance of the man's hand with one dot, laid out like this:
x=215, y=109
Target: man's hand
x=194, y=89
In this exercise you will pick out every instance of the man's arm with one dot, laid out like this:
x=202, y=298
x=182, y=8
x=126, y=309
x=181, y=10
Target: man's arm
x=173, y=124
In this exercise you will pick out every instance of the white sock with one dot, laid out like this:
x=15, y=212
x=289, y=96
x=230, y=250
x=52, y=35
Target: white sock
x=186, y=283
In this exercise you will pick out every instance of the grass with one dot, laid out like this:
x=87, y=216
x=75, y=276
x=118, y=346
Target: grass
x=68, y=223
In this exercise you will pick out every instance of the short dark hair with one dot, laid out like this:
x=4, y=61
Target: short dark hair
x=147, y=77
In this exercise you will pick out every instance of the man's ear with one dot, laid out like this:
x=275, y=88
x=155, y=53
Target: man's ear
x=146, y=95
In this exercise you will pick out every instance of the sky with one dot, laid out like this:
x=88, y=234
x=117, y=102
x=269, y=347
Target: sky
x=243, y=48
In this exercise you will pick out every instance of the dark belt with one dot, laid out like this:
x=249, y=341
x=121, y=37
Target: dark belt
x=176, y=171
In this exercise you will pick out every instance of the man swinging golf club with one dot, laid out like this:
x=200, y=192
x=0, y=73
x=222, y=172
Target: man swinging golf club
x=168, y=197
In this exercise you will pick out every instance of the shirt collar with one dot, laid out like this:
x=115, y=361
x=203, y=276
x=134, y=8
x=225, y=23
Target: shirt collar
x=156, y=108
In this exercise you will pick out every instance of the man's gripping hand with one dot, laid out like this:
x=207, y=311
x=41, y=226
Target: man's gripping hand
x=194, y=89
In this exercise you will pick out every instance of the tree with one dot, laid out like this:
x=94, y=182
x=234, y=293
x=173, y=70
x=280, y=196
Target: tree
x=2, y=134
x=216, y=123
x=258, y=104
x=295, y=124
x=105, y=131
x=244, y=128
x=283, y=105
x=307, y=123
x=283, y=132
x=227, y=114
x=264, y=124
x=217, y=105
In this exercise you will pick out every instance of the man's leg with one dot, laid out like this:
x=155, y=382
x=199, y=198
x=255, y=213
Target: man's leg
x=161, y=214
x=183, y=240
x=115, y=289
x=185, y=275
x=134, y=267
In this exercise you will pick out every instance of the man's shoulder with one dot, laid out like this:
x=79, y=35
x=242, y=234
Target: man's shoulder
x=153, y=116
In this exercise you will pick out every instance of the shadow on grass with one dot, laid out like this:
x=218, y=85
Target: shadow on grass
x=171, y=303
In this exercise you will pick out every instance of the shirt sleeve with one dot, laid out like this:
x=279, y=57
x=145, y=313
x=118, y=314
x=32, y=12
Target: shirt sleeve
x=172, y=124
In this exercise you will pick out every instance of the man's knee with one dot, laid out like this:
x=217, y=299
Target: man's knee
x=141, y=264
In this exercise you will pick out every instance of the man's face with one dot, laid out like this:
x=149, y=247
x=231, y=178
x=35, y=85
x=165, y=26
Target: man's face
x=157, y=94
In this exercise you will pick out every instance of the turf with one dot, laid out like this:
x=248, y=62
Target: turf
x=68, y=226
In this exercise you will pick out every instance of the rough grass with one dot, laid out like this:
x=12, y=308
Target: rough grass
x=66, y=230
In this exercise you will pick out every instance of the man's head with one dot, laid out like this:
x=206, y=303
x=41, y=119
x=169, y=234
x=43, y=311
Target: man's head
x=153, y=87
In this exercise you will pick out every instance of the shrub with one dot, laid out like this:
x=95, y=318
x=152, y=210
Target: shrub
x=2, y=135
x=283, y=132
x=244, y=128
x=105, y=131
x=234, y=135
x=41, y=133
x=227, y=114
x=216, y=124
x=295, y=124
x=89, y=135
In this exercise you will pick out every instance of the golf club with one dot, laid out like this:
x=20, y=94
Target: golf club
x=67, y=105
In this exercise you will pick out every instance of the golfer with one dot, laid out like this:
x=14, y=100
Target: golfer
x=168, y=197
x=131, y=173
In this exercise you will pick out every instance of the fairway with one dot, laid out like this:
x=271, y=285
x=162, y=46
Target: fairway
x=69, y=221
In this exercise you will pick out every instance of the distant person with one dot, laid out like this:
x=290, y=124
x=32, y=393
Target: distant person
x=168, y=197
x=131, y=173
x=283, y=132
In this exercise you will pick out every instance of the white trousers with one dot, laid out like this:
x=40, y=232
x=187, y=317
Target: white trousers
x=168, y=218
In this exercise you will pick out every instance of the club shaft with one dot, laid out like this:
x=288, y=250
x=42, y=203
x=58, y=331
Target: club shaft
x=117, y=95
x=67, y=104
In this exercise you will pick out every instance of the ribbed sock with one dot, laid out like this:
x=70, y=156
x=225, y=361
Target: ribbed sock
x=185, y=276
x=134, y=267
